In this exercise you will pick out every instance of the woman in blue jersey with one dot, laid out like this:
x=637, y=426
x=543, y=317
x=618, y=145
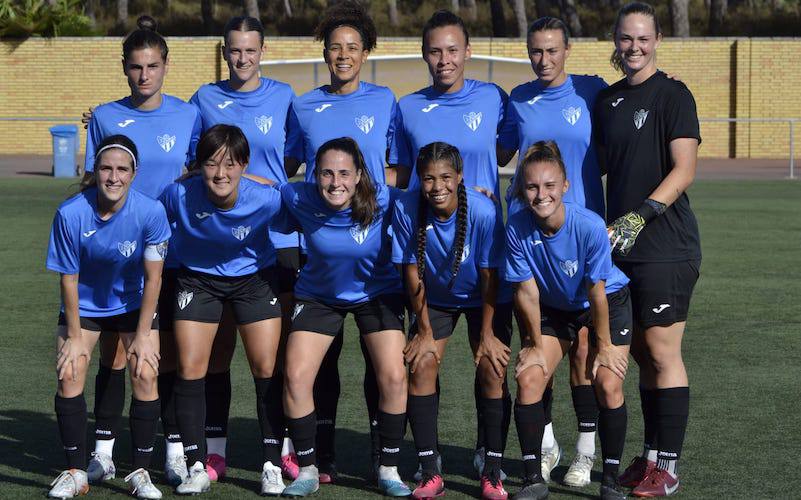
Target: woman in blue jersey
x=449, y=241
x=559, y=256
x=368, y=114
x=165, y=130
x=221, y=222
x=108, y=243
x=259, y=106
x=464, y=113
x=557, y=106
x=345, y=219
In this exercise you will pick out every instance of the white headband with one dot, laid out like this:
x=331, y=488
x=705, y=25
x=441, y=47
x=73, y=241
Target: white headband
x=117, y=146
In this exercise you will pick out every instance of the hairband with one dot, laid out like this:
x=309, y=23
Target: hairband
x=118, y=146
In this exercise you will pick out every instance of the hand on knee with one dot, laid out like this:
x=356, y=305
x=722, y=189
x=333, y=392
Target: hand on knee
x=491, y=384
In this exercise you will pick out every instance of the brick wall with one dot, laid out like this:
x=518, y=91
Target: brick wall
x=729, y=77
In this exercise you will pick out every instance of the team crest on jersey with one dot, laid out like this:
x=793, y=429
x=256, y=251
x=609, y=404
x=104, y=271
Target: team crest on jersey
x=264, y=123
x=240, y=232
x=126, y=248
x=639, y=118
x=359, y=233
x=472, y=120
x=571, y=114
x=166, y=142
x=465, y=253
x=184, y=298
x=569, y=267
x=365, y=123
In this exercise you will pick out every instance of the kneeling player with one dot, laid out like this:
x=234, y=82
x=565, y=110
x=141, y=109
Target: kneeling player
x=559, y=255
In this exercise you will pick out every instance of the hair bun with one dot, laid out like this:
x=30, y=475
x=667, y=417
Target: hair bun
x=146, y=23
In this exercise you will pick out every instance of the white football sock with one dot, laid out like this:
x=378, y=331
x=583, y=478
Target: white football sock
x=216, y=446
x=548, y=439
x=105, y=446
x=586, y=444
x=174, y=449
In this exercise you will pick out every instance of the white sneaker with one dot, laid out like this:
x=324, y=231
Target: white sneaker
x=550, y=459
x=197, y=481
x=418, y=476
x=175, y=470
x=271, y=481
x=578, y=475
x=69, y=484
x=478, y=464
x=140, y=485
x=101, y=468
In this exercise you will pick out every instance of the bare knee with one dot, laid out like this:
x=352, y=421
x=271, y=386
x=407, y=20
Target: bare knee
x=145, y=386
x=491, y=384
x=608, y=389
x=424, y=379
x=392, y=382
x=531, y=385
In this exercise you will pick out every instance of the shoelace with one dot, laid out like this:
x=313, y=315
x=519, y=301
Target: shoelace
x=62, y=478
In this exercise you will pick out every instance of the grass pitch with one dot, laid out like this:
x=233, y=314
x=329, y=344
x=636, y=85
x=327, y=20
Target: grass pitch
x=742, y=350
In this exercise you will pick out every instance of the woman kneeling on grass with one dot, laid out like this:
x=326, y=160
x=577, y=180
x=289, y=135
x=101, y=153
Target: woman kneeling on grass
x=345, y=218
x=559, y=256
x=108, y=242
x=450, y=242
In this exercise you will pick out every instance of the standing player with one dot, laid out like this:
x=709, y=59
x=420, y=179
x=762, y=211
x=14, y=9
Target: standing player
x=165, y=130
x=648, y=137
x=221, y=222
x=464, y=113
x=557, y=106
x=369, y=115
x=345, y=219
x=259, y=107
x=450, y=243
x=559, y=256
x=108, y=243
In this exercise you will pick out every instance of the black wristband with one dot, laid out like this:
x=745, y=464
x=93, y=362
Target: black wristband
x=650, y=210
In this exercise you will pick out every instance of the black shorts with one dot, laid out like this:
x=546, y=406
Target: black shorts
x=565, y=325
x=125, y=322
x=385, y=312
x=201, y=297
x=169, y=279
x=288, y=263
x=661, y=291
x=443, y=322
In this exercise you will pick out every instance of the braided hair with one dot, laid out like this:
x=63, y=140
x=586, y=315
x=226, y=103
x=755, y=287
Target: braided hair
x=428, y=155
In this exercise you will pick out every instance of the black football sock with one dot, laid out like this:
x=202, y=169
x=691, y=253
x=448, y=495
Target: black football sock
x=481, y=440
x=672, y=408
x=422, y=413
x=301, y=432
x=327, y=390
x=650, y=428
x=371, y=396
x=586, y=407
x=190, y=405
x=612, y=433
x=218, y=398
x=109, y=402
x=144, y=422
x=492, y=409
x=530, y=422
x=270, y=411
x=391, y=428
x=547, y=404
x=169, y=423
x=71, y=416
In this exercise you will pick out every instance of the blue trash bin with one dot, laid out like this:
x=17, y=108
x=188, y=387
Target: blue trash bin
x=65, y=142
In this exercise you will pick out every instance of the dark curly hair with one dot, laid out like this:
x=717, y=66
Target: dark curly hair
x=429, y=155
x=352, y=15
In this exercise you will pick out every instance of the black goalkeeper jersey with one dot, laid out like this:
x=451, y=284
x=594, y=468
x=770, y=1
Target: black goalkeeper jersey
x=633, y=127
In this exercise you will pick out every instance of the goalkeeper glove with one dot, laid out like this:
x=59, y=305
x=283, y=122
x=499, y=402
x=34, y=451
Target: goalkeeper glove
x=624, y=231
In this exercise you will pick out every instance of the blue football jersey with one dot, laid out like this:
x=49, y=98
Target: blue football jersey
x=562, y=114
x=229, y=242
x=562, y=264
x=369, y=116
x=107, y=255
x=165, y=137
x=347, y=263
x=483, y=248
x=262, y=115
x=468, y=119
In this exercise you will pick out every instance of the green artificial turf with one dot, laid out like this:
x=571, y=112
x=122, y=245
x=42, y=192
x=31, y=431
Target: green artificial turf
x=742, y=350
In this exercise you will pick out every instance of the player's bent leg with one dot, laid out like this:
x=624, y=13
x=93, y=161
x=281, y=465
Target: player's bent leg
x=193, y=340
x=586, y=410
x=218, y=395
x=612, y=423
x=305, y=351
x=386, y=352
